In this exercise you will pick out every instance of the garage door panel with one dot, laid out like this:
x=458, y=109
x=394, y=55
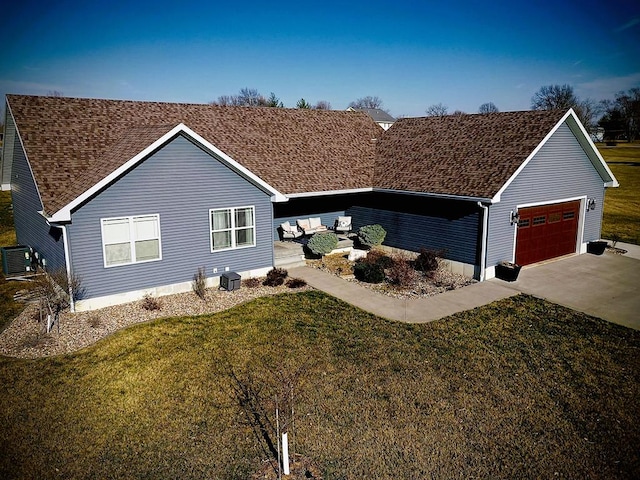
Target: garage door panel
x=546, y=231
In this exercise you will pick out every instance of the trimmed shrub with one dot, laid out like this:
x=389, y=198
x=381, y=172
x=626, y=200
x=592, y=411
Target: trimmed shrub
x=275, y=277
x=427, y=260
x=296, y=283
x=368, y=272
x=379, y=257
x=371, y=236
x=150, y=303
x=401, y=272
x=322, y=243
x=199, y=283
x=251, y=282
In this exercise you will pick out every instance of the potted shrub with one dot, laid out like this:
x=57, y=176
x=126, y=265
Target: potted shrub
x=508, y=271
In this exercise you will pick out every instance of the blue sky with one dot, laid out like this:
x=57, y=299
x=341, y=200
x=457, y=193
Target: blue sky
x=411, y=54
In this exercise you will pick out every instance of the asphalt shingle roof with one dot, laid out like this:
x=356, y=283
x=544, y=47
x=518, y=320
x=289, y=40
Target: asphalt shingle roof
x=74, y=143
x=462, y=155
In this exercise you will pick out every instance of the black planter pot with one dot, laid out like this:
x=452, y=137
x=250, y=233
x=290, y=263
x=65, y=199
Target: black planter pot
x=597, y=248
x=508, y=271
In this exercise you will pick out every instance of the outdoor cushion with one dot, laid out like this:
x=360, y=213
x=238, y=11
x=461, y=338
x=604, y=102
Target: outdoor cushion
x=344, y=222
x=315, y=222
x=303, y=224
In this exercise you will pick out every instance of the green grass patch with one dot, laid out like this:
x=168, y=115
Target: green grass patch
x=8, y=308
x=517, y=389
x=622, y=205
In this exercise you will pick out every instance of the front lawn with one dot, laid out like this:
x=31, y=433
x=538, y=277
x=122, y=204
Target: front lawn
x=518, y=389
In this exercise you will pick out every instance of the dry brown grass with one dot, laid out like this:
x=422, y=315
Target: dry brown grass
x=517, y=389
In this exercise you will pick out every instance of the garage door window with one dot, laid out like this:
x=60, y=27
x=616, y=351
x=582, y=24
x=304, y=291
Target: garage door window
x=539, y=220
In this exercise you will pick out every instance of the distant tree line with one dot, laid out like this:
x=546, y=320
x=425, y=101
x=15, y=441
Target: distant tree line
x=619, y=118
x=250, y=97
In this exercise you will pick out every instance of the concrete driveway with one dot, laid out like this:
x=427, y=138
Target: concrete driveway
x=605, y=286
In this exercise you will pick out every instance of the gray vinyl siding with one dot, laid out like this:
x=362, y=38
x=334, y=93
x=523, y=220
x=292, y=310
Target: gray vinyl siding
x=457, y=237
x=411, y=222
x=560, y=170
x=326, y=218
x=328, y=208
x=181, y=183
x=31, y=227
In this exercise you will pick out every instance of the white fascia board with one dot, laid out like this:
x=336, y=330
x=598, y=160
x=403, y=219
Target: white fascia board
x=574, y=125
x=592, y=151
x=64, y=214
x=329, y=192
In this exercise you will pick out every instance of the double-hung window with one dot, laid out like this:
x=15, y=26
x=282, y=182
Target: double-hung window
x=232, y=228
x=127, y=240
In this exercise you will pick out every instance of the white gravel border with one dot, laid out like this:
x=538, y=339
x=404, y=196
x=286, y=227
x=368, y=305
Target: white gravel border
x=25, y=337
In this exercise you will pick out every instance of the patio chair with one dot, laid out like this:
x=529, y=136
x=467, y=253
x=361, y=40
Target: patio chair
x=343, y=225
x=311, y=225
x=316, y=225
x=290, y=232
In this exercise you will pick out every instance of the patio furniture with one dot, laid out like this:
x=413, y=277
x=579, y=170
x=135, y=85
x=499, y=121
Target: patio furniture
x=343, y=225
x=311, y=225
x=290, y=232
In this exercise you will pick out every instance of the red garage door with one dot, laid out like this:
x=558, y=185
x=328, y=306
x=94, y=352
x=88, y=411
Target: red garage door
x=547, y=231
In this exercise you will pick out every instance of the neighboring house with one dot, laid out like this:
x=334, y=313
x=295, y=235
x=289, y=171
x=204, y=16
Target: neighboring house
x=381, y=117
x=134, y=197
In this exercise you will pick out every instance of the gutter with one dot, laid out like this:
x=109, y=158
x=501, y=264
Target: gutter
x=485, y=233
x=67, y=261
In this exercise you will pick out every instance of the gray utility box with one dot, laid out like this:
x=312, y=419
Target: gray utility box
x=16, y=260
x=230, y=281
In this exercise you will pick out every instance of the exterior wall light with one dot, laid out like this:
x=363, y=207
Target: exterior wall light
x=591, y=204
x=515, y=217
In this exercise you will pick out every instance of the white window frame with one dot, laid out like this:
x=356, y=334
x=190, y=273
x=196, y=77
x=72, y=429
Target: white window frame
x=132, y=239
x=233, y=229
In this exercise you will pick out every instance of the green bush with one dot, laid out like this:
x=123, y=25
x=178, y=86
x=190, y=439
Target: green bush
x=371, y=236
x=368, y=272
x=323, y=243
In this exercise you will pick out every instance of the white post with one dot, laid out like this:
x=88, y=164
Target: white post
x=285, y=454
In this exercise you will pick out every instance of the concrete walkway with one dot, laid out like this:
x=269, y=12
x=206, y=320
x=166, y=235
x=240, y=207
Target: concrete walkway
x=605, y=286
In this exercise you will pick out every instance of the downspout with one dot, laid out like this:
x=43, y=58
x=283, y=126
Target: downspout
x=483, y=247
x=67, y=261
